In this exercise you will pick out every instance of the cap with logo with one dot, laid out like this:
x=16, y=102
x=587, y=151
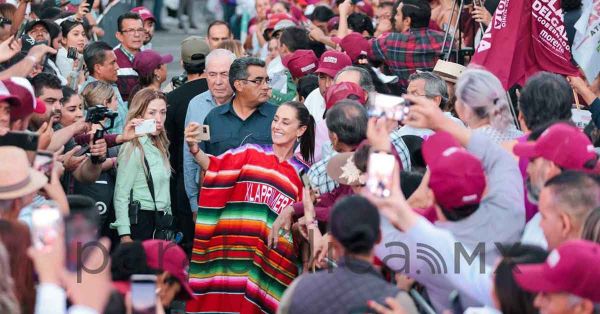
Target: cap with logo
x=456, y=177
x=148, y=60
x=22, y=90
x=563, y=144
x=344, y=90
x=332, y=62
x=168, y=256
x=301, y=62
x=570, y=268
x=194, y=50
x=144, y=13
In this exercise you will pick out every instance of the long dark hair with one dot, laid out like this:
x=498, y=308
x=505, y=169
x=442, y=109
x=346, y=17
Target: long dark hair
x=512, y=298
x=307, y=140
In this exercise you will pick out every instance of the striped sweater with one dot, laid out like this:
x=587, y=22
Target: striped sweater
x=232, y=269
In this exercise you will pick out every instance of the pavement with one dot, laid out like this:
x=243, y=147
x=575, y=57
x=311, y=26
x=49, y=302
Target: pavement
x=170, y=41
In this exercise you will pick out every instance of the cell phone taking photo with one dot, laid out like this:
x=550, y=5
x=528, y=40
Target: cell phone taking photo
x=44, y=162
x=143, y=294
x=147, y=126
x=46, y=224
x=204, y=134
x=391, y=107
x=380, y=171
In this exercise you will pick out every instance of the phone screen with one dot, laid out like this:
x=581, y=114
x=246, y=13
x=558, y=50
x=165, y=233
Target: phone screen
x=380, y=170
x=143, y=294
x=46, y=224
x=391, y=107
x=44, y=162
x=81, y=230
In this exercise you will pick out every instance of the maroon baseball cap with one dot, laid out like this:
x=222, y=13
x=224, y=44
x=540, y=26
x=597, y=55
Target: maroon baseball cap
x=148, y=60
x=332, y=62
x=355, y=45
x=365, y=8
x=456, y=176
x=570, y=268
x=5, y=95
x=563, y=144
x=278, y=17
x=301, y=62
x=344, y=90
x=23, y=91
x=144, y=13
x=168, y=256
x=332, y=23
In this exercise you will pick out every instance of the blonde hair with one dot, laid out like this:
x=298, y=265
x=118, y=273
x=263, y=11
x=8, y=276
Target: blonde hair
x=137, y=108
x=96, y=93
x=234, y=46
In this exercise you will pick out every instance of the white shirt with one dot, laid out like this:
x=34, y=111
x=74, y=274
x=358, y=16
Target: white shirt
x=409, y=130
x=315, y=103
x=533, y=233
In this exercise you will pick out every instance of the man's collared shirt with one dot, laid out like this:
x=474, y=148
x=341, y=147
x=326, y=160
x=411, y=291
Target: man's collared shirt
x=404, y=53
x=228, y=131
x=197, y=110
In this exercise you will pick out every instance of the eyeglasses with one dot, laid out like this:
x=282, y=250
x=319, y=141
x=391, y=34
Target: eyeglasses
x=259, y=81
x=131, y=30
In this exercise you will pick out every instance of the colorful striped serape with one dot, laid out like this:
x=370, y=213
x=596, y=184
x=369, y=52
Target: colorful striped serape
x=232, y=269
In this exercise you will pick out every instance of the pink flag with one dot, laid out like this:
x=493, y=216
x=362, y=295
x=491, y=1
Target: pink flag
x=525, y=37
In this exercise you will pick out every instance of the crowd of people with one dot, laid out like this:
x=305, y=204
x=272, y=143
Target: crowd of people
x=313, y=157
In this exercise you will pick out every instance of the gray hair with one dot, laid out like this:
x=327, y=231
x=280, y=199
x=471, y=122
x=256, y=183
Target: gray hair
x=219, y=53
x=434, y=85
x=239, y=69
x=366, y=82
x=482, y=91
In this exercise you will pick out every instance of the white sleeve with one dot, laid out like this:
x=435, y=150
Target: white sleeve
x=50, y=299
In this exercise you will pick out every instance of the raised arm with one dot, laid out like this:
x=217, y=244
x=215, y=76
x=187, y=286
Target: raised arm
x=191, y=134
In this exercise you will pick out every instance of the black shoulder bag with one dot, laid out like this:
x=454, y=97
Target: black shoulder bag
x=164, y=225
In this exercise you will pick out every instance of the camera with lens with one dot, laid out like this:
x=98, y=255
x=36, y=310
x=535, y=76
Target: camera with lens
x=97, y=115
x=179, y=80
x=72, y=53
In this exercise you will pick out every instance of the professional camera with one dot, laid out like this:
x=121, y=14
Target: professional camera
x=96, y=115
x=179, y=80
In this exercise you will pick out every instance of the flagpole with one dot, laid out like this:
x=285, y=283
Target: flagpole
x=512, y=111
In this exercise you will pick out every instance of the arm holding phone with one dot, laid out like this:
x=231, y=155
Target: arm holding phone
x=24, y=67
x=192, y=133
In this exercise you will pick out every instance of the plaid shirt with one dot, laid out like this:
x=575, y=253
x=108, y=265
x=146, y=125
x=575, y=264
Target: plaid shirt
x=404, y=53
x=320, y=181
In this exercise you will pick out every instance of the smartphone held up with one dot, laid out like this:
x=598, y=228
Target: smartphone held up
x=380, y=169
x=145, y=127
x=389, y=106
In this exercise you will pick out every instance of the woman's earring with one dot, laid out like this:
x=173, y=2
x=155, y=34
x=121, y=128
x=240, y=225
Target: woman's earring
x=298, y=139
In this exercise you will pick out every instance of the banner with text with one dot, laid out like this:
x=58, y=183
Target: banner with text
x=586, y=46
x=525, y=37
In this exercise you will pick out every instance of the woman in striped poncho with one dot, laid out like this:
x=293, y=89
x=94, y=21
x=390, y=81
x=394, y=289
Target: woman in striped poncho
x=243, y=192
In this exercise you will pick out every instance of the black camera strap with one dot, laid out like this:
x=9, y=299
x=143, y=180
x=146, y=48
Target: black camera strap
x=150, y=183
